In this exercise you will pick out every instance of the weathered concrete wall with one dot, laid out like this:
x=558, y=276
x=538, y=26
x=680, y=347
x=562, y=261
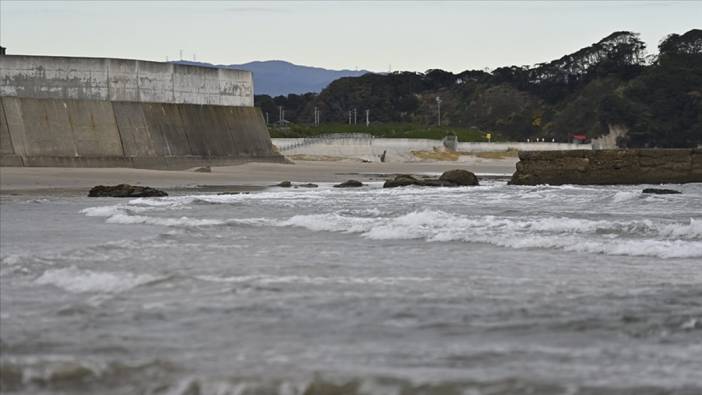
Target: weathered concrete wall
x=95, y=133
x=645, y=166
x=398, y=149
x=49, y=77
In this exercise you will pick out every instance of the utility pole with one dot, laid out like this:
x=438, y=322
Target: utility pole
x=280, y=114
x=438, y=110
x=316, y=116
x=354, y=116
x=367, y=118
x=267, y=118
x=349, y=117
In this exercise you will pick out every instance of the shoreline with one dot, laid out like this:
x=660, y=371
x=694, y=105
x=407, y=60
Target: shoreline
x=251, y=176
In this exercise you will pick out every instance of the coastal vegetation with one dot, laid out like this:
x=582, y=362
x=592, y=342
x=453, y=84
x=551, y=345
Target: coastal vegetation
x=657, y=99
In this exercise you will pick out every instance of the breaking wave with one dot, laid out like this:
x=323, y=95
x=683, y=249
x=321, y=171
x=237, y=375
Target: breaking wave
x=636, y=238
x=76, y=280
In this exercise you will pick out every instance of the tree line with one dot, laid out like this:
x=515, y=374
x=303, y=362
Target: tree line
x=658, y=99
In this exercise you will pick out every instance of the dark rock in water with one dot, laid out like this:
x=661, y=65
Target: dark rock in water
x=205, y=169
x=459, y=177
x=124, y=191
x=451, y=178
x=402, y=180
x=308, y=185
x=285, y=184
x=438, y=183
x=349, y=184
x=659, y=191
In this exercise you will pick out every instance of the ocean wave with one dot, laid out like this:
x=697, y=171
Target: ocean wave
x=162, y=221
x=624, y=196
x=636, y=238
x=293, y=279
x=63, y=374
x=165, y=377
x=76, y=280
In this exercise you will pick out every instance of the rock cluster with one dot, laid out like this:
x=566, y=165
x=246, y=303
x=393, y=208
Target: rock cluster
x=609, y=167
x=451, y=178
x=124, y=191
x=288, y=184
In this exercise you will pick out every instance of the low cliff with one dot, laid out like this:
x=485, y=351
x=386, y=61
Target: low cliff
x=603, y=167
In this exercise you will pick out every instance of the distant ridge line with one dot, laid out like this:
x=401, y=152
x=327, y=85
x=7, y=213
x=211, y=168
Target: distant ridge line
x=280, y=77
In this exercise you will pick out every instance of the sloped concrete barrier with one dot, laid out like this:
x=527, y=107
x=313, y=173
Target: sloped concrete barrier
x=607, y=167
x=95, y=133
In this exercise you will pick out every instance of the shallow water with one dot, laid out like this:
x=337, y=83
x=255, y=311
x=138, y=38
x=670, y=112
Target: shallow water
x=484, y=290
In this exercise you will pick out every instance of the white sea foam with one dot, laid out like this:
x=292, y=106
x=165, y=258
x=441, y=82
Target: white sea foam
x=693, y=230
x=76, y=280
x=11, y=259
x=331, y=222
x=636, y=238
x=624, y=196
x=162, y=221
x=107, y=211
x=103, y=211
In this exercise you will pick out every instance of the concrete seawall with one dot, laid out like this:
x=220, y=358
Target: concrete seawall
x=607, y=167
x=95, y=133
x=54, y=77
x=399, y=149
x=99, y=112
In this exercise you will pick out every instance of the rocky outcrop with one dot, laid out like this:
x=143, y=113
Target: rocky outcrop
x=451, y=178
x=349, y=184
x=125, y=191
x=459, y=177
x=609, y=167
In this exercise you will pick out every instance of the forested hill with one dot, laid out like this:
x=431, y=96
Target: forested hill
x=657, y=98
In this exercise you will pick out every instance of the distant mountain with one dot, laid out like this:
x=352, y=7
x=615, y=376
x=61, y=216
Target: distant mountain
x=277, y=77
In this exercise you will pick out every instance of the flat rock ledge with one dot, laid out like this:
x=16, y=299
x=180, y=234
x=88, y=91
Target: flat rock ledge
x=609, y=167
x=125, y=191
x=451, y=178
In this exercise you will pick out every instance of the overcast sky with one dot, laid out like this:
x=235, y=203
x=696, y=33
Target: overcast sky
x=377, y=36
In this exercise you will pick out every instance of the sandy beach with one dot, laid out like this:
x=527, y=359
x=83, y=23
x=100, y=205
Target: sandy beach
x=253, y=175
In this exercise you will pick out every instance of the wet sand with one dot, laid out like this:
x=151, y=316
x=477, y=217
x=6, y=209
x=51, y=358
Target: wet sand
x=254, y=175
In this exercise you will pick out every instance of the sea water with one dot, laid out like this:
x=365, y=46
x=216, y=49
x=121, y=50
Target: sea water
x=494, y=289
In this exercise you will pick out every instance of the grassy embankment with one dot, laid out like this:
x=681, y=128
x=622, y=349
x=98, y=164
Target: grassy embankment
x=386, y=130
